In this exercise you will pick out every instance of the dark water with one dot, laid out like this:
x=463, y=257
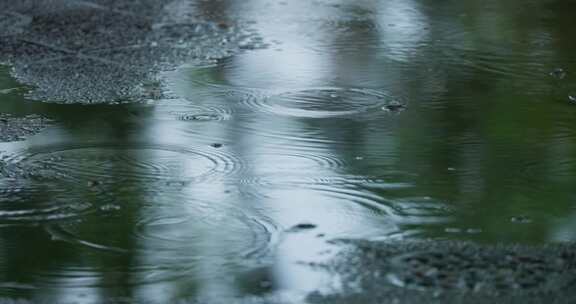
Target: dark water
x=369, y=119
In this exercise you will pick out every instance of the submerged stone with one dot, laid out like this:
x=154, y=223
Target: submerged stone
x=14, y=128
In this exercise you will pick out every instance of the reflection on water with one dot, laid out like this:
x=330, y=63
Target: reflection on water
x=373, y=119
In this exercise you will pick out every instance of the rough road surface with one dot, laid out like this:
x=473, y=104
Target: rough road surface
x=14, y=128
x=449, y=272
x=109, y=51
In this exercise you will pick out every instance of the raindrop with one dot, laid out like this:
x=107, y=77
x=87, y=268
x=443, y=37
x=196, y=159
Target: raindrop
x=302, y=227
x=521, y=219
x=109, y=207
x=198, y=117
x=265, y=284
x=394, y=106
x=473, y=230
x=558, y=73
x=93, y=183
x=452, y=230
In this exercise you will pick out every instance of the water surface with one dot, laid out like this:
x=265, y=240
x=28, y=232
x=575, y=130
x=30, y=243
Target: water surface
x=374, y=120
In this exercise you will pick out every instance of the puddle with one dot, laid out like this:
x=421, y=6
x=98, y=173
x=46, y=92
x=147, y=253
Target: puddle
x=189, y=151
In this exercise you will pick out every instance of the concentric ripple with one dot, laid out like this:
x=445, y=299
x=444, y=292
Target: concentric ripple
x=527, y=64
x=206, y=82
x=187, y=111
x=30, y=204
x=280, y=163
x=321, y=102
x=175, y=235
x=130, y=163
x=340, y=210
x=251, y=237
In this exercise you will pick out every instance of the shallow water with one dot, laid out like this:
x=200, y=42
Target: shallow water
x=374, y=120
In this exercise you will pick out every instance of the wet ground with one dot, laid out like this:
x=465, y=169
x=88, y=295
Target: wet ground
x=188, y=151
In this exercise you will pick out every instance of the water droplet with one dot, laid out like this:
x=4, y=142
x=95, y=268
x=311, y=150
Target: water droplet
x=558, y=73
x=223, y=25
x=394, y=107
x=452, y=230
x=521, y=219
x=194, y=116
x=110, y=207
x=93, y=183
x=473, y=230
x=301, y=227
x=265, y=284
